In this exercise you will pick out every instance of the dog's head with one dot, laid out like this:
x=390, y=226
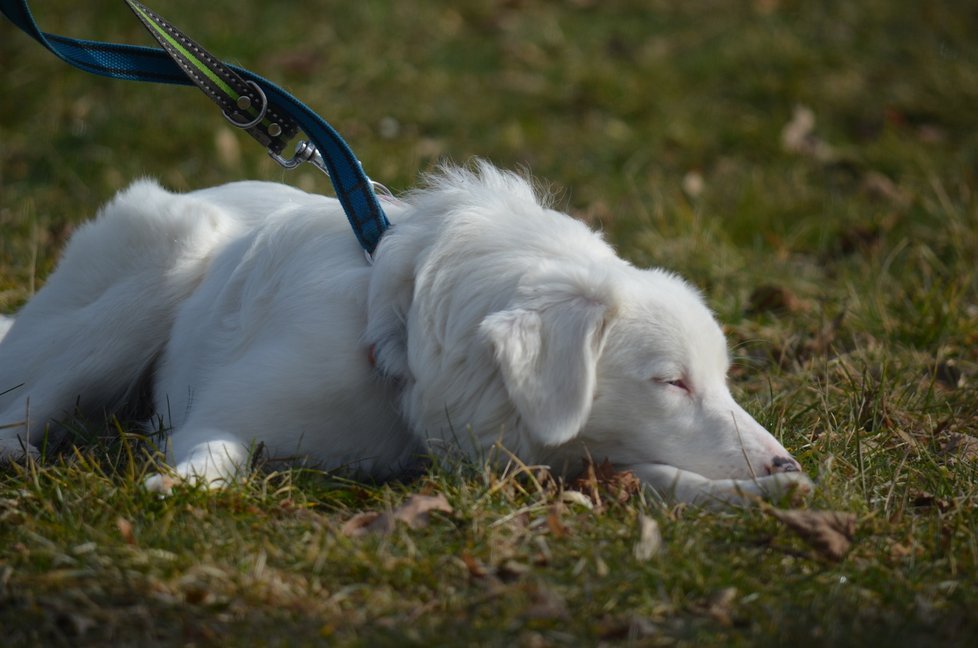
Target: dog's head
x=629, y=365
x=500, y=316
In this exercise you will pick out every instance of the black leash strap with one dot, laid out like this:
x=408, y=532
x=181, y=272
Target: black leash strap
x=267, y=112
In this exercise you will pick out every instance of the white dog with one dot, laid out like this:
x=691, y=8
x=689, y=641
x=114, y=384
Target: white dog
x=486, y=317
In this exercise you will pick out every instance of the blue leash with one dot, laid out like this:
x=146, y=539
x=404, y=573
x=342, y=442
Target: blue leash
x=266, y=111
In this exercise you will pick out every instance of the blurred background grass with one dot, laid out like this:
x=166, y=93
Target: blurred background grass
x=660, y=122
x=614, y=102
x=841, y=253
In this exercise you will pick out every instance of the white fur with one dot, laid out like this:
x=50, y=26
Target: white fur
x=491, y=318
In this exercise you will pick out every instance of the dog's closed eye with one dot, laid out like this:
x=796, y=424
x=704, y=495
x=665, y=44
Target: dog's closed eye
x=673, y=382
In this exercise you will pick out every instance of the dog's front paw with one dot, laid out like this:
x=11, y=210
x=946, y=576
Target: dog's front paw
x=17, y=451
x=779, y=485
x=743, y=492
x=161, y=484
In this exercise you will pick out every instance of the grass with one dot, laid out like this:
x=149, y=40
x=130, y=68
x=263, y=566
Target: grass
x=844, y=271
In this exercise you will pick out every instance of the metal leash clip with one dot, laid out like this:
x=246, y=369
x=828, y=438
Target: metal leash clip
x=306, y=151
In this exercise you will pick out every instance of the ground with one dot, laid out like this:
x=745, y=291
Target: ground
x=812, y=167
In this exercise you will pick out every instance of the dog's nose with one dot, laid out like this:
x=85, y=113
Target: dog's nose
x=783, y=465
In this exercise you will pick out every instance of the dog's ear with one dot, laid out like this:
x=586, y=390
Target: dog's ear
x=548, y=361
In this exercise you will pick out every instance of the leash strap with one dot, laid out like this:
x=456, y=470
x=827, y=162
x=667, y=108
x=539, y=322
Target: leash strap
x=267, y=112
x=243, y=103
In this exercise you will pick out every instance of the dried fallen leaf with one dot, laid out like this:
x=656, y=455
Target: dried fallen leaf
x=828, y=532
x=576, y=497
x=649, y=538
x=414, y=512
x=880, y=186
x=554, y=525
x=604, y=478
x=125, y=530
x=962, y=447
x=798, y=136
x=476, y=568
x=370, y=522
x=721, y=606
x=900, y=550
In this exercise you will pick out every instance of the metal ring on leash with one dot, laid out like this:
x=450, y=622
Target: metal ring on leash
x=244, y=103
x=381, y=190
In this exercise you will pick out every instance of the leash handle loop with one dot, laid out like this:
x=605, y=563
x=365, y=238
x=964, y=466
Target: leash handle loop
x=281, y=114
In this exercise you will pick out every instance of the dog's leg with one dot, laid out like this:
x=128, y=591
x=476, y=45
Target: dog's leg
x=59, y=355
x=89, y=335
x=216, y=461
x=678, y=485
